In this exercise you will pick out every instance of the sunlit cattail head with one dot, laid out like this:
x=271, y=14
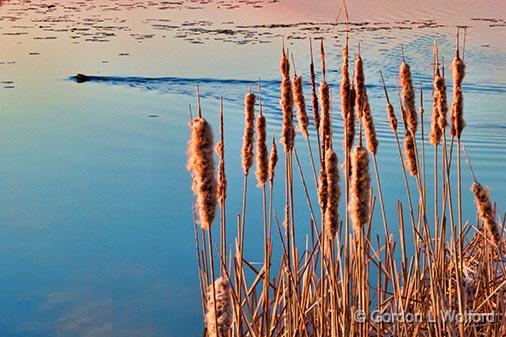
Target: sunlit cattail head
x=359, y=189
x=408, y=97
x=486, y=212
x=333, y=193
x=410, y=153
x=273, y=160
x=249, y=132
x=300, y=104
x=262, y=157
x=201, y=166
x=219, y=313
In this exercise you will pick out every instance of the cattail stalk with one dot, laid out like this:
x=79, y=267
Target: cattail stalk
x=221, y=192
x=287, y=131
x=346, y=103
x=486, y=212
x=262, y=155
x=325, y=123
x=314, y=98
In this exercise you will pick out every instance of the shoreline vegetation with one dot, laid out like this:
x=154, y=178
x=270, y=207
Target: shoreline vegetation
x=345, y=281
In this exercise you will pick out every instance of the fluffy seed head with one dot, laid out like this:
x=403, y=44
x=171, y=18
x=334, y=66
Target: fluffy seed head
x=370, y=131
x=441, y=101
x=359, y=188
x=486, y=211
x=326, y=124
x=262, y=154
x=273, y=160
x=392, y=120
x=300, y=104
x=347, y=104
x=333, y=193
x=219, y=314
x=410, y=153
x=360, y=89
x=249, y=132
x=458, y=123
x=201, y=166
x=408, y=97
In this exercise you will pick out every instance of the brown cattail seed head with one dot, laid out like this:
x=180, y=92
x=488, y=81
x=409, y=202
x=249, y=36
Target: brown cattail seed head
x=410, y=153
x=222, y=178
x=486, y=211
x=360, y=188
x=325, y=125
x=323, y=186
x=458, y=123
x=333, y=193
x=314, y=98
x=435, y=130
x=286, y=102
x=370, y=131
x=262, y=154
x=408, y=97
x=360, y=89
x=347, y=104
x=201, y=166
x=219, y=313
x=392, y=120
x=273, y=160
x=300, y=104
x=441, y=101
x=249, y=132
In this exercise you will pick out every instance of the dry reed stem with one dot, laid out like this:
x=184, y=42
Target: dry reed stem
x=300, y=104
x=360, y=188
x=219, y=314
x=410, y=152
x=201, y=165
x=486, y=211
x=408, y=97
x=249, y=132
x=333, y=193
x=262, y=156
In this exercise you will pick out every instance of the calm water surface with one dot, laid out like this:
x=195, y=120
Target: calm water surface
x=96, y=235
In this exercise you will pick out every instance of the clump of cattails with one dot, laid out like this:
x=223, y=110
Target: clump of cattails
x=201, y=166
x=249, y=132
x=410, y=151
x=219, y=312
x=408, y=97
x=262, y=154
x=333, y=193
x=458, y=70
x=360, y=188
x=486, y=211
x=273, y=160
x=300, y=104
x=287, y=132
x=221, y=191
x=346, y=102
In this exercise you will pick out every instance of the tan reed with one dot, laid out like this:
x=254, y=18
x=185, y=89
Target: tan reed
x=300, y=104
x=286, y=102
x=333, y=193
x=219, y=313
x=410, y=152
x=249, y=132
x=360, y=188
x=201, y=166
x=408, y=97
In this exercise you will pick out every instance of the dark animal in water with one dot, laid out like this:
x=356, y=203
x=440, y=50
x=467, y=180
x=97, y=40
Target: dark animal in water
x=81, y=78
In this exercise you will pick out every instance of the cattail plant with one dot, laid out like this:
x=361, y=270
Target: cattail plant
x=249, y=132
x=458, y=70
x=347, y=111
x=287, y=132
x=201, y=166
x=262, y=156
x=486, y=211
x=408, y=96
x=219, y=308
x=410, y=152
x=314, y=97
x=273, y=161
x=360, y=188
x=325, y=121
x=333, y=193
